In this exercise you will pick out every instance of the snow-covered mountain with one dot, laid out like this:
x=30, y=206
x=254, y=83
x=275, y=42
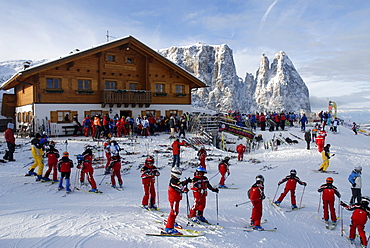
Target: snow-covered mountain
x=275, y=88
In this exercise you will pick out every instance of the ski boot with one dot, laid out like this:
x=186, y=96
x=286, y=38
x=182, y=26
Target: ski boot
x=68, y=184
x=172, y=231
x=294, y=207
x=258, y=228
x=154, y=206
x=94, y=190
x=194, y=220
x=202, y=219
x=145, y=207
x=277, y=203
x=222, y=186
x=38, y=179
x=113, y=186
x=31, y=173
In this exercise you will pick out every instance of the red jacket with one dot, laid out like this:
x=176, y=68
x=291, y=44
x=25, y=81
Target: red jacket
x=175, y=189
x=291, y=182
x=240, y=148
x=148, y=173
x=52, y=155
x=223, y=168
x=9, y=135
x=328, y=190
x=176, y=147
x=256, y=193
x=65, y=165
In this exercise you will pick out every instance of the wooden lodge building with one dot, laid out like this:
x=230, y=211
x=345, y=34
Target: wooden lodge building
x=123, y=77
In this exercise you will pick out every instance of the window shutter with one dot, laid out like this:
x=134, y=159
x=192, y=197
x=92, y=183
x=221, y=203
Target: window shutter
x=157, y=113
x=54, y=116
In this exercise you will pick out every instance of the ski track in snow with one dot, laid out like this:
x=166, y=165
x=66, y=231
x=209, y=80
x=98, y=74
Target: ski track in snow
x=35, y=214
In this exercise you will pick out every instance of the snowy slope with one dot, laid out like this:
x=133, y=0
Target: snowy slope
x=36, y=214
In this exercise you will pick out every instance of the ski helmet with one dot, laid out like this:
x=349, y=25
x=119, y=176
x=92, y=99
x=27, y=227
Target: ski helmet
x=116, y=157
x=226, y=159
x=52, y=143
x=176, y=172
x=358, y=168
x=88, y=151
x=260, y=178
x=65, y=154
x=149, y=160
x=329, y=180
x=293, y=172
x=201, y=169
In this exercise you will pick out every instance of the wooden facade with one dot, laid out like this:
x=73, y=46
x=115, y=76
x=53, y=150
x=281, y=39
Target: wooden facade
x=124, y=74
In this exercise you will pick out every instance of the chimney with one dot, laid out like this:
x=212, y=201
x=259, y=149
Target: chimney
x=26, y=64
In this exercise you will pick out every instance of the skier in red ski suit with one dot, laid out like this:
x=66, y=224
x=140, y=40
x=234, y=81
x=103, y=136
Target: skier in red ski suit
x=175, y=190
x=199, y=186
x=148, y=174
x=107, y=150
x=52, y=154
x=65, y=166
x=329, y=191
x=240, y=149
x=320, y=140
x=86, y=168
x=223, y=167
x=115, y=167
x=202, y=154
x=361, y=213
x=291, y=184
x=256, y=195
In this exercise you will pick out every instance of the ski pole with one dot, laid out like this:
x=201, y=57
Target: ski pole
x=273, y=200
x=300, y=203
x=187, y=204
x=157, y=193
x=318, y=209
x=341, y=221
x=217, y=208
x=103, y=179
x=237, y=205
x=213, y=176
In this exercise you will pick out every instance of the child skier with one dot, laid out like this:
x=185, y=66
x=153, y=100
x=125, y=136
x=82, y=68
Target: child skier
x=241, y=150
x=329, y=191
x=256, y=195
x=52, y=154
x=148, y=174
x=36, y=150
x=291, y=185
x=202, y=154
x=115, y=166
x=361, y=211
x=64, y=167
x=86, y=168
x=199, y=186
x=223, y=167
x=175, y=190
x=355, y=179
x=325, y=154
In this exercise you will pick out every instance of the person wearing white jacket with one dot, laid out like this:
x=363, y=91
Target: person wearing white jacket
x=355, y=179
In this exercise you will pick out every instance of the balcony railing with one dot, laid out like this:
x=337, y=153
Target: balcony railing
x=126, y=96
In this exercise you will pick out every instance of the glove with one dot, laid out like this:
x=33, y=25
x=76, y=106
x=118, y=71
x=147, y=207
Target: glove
x=189, y=180
x=107, y=172
x=353, y=184
x=186, y=190
x=279, y=184
x=216, y=190
x=343, y=204
x=304, y=184
x=228, y=174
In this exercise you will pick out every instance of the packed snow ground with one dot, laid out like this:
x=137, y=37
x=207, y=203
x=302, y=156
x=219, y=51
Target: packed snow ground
x=36, y=215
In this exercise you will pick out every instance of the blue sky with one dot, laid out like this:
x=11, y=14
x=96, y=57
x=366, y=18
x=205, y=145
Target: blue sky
x=328, y=41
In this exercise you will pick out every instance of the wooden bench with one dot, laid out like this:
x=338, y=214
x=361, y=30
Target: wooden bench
x=71, y=129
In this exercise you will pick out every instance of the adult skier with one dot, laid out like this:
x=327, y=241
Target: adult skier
x=356, y=181
x=65, y=166
x=36, y=150
x=256, y=195
x=148, y=174
x=361, y=212
x=325, y=154
x=223, y=168
x=320, y=140
x=199, y=186
x=86, y=123
x=10, y=142
x=52, y=154
x=175, y=190
x=76, y=125
x=87, y=169
x=328, y=192
x=182, y=126
x=354, y=127
x=176, y=152
x=303, y=122
x=291, y=184
x=307, y=138
x=241, y=150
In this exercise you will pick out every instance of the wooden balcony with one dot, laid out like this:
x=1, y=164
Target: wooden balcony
x=126, y=97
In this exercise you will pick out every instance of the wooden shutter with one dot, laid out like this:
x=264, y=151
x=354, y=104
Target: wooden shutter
x=157, y=113
x=53, y=116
